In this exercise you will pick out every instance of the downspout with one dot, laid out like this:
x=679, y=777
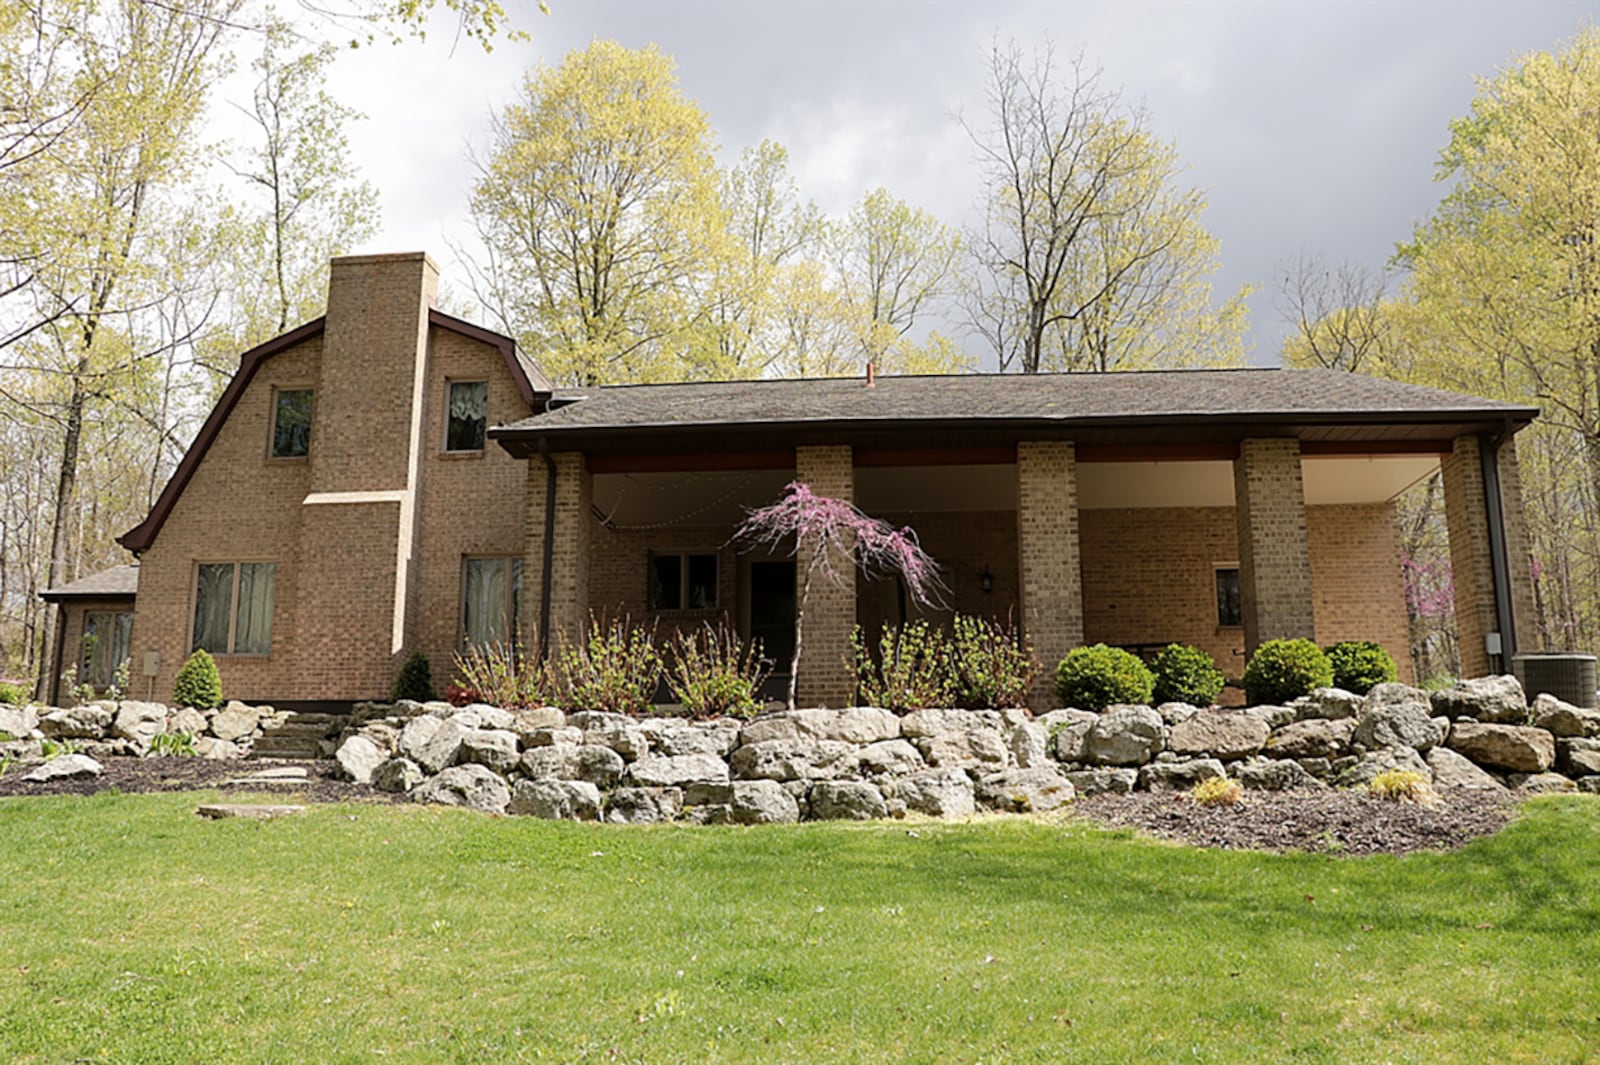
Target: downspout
x=546, y=577
x=1499, y=565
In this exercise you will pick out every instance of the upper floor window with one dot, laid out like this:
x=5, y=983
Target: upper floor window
x=683, y=582
x=233, y=607
x=291, y=423
x=468, y=416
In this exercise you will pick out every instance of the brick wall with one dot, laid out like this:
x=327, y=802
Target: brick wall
x=962, y=543
x=1466, y=517
x=826, y=677
x=1274, y=566
x=1048, y=559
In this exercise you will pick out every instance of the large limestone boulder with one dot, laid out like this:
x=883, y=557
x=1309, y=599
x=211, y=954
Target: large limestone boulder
x=1067, y=729
x=847, y=800
x=1516, y=748
x=600, y=721
x=235, y=721
x=939, y=793
x=644, y=806
x=671, y=771
x=1312, y=738
x=762, y=802
x=88, y=722
x=1578, y=757
x=854, y=724
x=1097, y=781
x=1498, y=700
x=1273, y=774
x=139, y=723
x=491, y=717
x=1452, y=770
x=555, y=735
x=889, y=758
x=64, y=767
x=556, y=800
x=711, y=740
x=476, y=787
x=1563, y=720
x=398, y=775
x=491, y=747
x=416, y=734
x=1329, y=704
x=600, y=766
x=1125, y=735
x=187, y=719
x=1544, y=784
x=1179, y=776
x=359, y=758
x=1369, y=765
x=1397, y=715
x=1225, y=734
x=630, y=741
x=524, y=722
x=1175, y=714
x=1038, y=790
x=18, y=722
x=800, y=759
x=1030, y=745
x=441, y=750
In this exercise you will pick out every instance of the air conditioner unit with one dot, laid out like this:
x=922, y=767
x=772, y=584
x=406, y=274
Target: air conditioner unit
x=1569, y=677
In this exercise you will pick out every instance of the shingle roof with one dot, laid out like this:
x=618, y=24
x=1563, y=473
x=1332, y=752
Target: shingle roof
x=118, y=582
x=1059, y=400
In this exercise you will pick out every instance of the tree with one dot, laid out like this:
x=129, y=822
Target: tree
x=1088, y=256
x=831, y=533
x=1338, y=314
x=598, y=210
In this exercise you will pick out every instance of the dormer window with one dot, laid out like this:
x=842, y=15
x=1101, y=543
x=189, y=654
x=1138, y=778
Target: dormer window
x=291, y=423
x=467, y=417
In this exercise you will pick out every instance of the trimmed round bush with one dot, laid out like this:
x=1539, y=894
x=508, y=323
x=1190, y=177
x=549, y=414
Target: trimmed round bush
x=1361, y=665
x=198, y=684
x=415, y=681
x=1186, y=674
x=1093, y=678
x=1283, y=670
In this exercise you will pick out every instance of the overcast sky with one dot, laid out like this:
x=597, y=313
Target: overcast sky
x=1312, y=126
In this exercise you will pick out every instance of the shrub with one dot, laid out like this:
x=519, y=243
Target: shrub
x=1093, y=678
x=616, y=670
x=415, y=681
x=1284, y=670
x=991, y=664
x=1185, y=674
x=911, y=670
x=58, y=748
x=1217, y=791
x=1403, y=785
x=13, y=693
x=714, y=673
x=1361, y=665
x=198, y=684
x=500, y=675
x=172, y=744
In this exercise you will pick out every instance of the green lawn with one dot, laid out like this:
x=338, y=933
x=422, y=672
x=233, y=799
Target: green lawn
x=133, y=931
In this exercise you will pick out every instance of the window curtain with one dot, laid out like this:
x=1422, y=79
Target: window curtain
x=252, y=628
x=97, y=635
x=484, y=624
x=469, y=414
x=213, y=596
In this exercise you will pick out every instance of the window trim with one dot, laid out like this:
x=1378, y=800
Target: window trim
x=272, y=423
x=512, y=605
x=1217, y=570
x=444, y=441
x=237, y=566
x=683, y=558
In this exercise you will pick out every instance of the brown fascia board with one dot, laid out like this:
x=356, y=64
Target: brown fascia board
x=526, y=441
x=532, y=385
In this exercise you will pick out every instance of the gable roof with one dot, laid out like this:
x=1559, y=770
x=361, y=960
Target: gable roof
x=1187, y=405
x=532, y=385
x=118, y=582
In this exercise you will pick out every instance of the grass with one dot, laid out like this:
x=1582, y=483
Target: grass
x=135, y=932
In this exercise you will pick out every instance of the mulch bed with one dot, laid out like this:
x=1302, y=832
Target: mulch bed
x=1335, y=822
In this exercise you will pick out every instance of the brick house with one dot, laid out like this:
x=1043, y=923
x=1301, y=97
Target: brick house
x=390, y=478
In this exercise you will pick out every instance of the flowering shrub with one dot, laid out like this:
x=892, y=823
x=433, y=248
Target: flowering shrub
x=500, y=675
x=910, y=671
x=1093, y=678
x=715, y=673
x=616, y=670
x=1283, y=670
x=992, y=664
x=1185, y=674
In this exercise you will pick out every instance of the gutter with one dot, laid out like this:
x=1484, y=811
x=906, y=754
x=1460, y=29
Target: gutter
x=546, y=577
x=1499, y=562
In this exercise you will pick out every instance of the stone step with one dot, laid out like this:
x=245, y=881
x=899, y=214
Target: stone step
x=300, y=736
x=288, y=748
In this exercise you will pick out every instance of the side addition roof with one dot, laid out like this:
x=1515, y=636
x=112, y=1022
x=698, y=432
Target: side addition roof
x=118, y=582
x=532, y=385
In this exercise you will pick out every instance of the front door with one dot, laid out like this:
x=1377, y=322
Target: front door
x=772, y=607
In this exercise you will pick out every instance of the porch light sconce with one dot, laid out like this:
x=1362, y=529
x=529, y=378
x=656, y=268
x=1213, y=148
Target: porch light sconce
x=986, y=579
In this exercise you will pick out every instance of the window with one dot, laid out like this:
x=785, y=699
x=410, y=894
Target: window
x=468, y=415
x=491, y=590
x=233, y=607
x=107, y=642
x=291, y=423
x=683, y=582
x=1228, y=608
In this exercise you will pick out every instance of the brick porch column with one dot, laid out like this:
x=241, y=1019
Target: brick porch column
x=1471, y=568
x=1274, y=556
x=827, y=676
x=1050, y=577
x=568, y=614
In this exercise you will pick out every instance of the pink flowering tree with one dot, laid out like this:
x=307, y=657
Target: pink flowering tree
x=835, y=533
